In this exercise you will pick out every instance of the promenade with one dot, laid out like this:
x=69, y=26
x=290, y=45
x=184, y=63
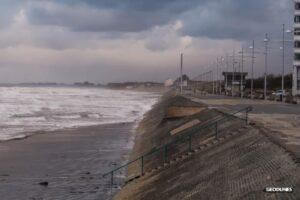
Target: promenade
x=240, y=164
x=279, y=120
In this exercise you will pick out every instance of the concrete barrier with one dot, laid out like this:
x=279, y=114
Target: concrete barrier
x=177, y=112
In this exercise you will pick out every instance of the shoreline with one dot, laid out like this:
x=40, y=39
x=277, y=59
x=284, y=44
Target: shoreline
x=61, y=130
x=71, y=162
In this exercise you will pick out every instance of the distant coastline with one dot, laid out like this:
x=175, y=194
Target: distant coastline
x=87, y=84
x=129, y=86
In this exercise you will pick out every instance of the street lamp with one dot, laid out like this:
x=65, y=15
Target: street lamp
x=212, y=78
x=283, y=47
x=242, y=71
x=217, y=82
x=221, y=62
x=283, y=57
x=181, y=66
x=252, y=68
x=233, y=62
x=226, y=78
x=266, y=41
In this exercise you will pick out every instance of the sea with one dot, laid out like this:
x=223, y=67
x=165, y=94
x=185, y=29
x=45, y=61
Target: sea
x=28, y=110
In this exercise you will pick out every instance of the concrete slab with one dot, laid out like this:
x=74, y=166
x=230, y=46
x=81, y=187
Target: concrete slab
x=185, y=126
x=176, y=111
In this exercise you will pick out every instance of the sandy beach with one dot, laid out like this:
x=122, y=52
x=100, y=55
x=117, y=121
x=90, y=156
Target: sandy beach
x=66, y=164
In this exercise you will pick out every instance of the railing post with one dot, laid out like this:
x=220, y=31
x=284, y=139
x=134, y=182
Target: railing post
x=190, y=143
x=165, y=153
x=112, y=179
x=142, y=165
x=216, y=129
x=247, y=116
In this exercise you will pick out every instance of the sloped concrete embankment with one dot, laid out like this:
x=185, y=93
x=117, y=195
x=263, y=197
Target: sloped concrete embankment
x=240, y=164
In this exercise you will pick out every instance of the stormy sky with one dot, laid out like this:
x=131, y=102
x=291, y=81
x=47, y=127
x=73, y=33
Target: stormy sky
x=134, y=40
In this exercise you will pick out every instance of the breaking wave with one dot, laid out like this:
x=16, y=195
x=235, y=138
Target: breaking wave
x=24, y=110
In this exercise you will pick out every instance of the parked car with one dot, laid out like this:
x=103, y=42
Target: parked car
x=279, y=93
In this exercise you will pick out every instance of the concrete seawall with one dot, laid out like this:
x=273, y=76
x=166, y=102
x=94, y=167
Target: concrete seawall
x=240, y=164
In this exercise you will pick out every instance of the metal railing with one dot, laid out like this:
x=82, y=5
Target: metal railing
x=186, y=136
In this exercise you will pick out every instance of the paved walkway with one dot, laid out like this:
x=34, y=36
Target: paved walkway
x=281, y=120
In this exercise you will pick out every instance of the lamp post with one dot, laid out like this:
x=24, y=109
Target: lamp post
x=283, y=57
x=181, y=66
x=288, y=31
x=217, y=81
x=241, y=71
x=233, y=62
x=283, y=61
x=266, y=41
x=213, y=81
x=252, y=68
x=226, y=81
x=240, y=79
x=221, y=63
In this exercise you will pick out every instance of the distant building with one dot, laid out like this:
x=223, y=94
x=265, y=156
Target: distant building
x=131, y=85
x=234, y=80
x=296, y=74
x=84, y=84
x=185, y=80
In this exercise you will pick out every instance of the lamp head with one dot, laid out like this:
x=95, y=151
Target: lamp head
x=288, y=31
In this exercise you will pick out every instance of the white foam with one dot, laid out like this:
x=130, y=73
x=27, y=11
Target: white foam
x=29, y=109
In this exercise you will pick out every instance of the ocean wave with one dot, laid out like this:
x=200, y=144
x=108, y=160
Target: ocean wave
x=39, y=109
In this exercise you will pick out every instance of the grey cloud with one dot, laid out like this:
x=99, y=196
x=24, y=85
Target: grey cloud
x=171, y=6
x=89, y=20
x=163, y=37
x=107, y=16
x=8, y=9
x=238, y=19
x=216, y=19
x=98, y=30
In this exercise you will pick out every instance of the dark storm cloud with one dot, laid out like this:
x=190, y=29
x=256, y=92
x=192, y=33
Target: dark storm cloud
x=238, y=19
x=216, y=19
x=106, y=16
x=141, y=5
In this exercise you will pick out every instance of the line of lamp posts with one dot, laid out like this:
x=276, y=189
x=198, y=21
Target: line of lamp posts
x=216, y=84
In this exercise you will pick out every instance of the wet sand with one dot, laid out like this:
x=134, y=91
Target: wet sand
x=71, y=162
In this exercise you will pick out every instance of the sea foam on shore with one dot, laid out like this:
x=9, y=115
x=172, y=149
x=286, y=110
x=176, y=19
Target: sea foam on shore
x=25, y=110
